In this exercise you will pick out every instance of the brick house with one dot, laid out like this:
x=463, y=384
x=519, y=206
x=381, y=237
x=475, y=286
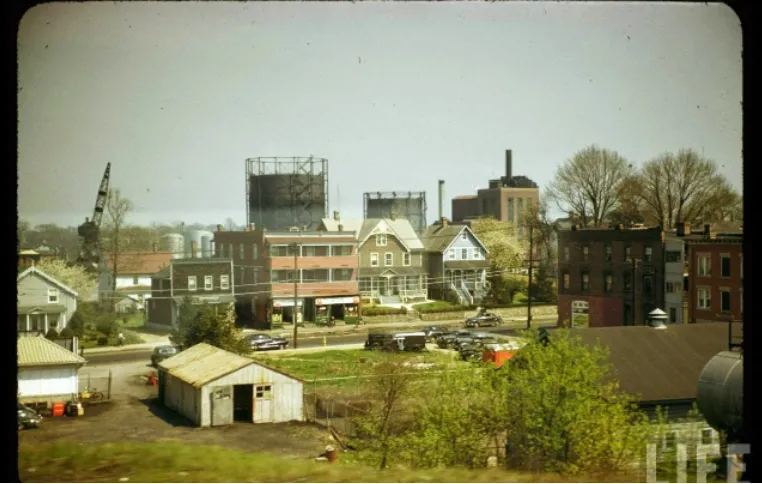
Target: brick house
x=264, y=261
x=391, y=255
x=204, y=280
x=715, y=275
x=609, y=276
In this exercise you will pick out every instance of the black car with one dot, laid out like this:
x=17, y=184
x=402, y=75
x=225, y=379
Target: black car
x=264, y=342
x=434, y=332
x=27, y=418
x=401, y=341
x=161, y=353
x=446, y=340
x=484, y=319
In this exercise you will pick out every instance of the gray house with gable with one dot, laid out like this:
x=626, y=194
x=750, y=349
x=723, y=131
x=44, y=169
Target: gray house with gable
x=42, y=303
x=456, y=261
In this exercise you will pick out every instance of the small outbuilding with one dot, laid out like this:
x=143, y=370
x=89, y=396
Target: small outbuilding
x=213, y=387
x=46, y=371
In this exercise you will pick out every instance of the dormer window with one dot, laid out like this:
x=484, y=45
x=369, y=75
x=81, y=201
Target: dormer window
x=381, y=240
x=463, y=235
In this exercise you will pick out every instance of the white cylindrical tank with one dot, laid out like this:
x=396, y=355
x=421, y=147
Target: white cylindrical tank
x=196, y=237
x=206, y=246
x=174, y=243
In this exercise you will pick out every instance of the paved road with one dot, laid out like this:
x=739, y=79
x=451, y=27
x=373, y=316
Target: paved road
x=126, y=356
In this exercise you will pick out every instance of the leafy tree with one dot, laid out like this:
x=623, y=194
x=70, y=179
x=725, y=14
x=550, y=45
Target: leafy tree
x=107, y=324
x=67, y=333
x=543, y=285
x=213, y=324
x=114, y=236
x=506, y=254
x=565, y=413
x=75, y=277
x=590, y=184
x=51, y=334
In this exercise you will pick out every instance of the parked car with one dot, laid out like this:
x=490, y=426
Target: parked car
x=400, y=341
x=27, y=418
x=433, y=332
x=161, y=353
x=264, y=342
x=484, y=319
x=473, y=347
x=447, y=339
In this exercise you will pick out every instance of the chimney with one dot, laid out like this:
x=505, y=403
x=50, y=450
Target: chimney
x=708, y=231
x=341, y=228
x=193, y=249
x=441, y=199
x=508, y=165
x=443, y=221
x=336, y=215
x=683, y=229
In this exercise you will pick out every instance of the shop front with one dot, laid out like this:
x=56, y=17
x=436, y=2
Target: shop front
x=344, y=308
x=281, y=310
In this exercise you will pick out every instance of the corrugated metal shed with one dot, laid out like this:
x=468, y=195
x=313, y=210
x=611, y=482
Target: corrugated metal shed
x=202, y=364
x=38, y=351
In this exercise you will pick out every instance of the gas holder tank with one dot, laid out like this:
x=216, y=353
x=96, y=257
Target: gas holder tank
x=720, y=391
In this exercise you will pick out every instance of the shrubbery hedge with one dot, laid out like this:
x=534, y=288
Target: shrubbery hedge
x=383, y=311
x=438, y=307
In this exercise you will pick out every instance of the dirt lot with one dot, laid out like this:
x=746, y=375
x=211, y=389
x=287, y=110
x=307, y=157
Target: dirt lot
x=134, y=415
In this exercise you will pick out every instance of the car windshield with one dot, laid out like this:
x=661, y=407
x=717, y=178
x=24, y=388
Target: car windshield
x=259, y=336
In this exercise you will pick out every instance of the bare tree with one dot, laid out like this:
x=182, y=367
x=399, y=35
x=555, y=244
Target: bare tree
x=230, y=224
x=589, y=185
x=683, y=187
x=114, y=236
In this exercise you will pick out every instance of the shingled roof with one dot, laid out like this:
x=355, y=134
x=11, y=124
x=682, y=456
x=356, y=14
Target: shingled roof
x=436, y=238
x=659, y=365
x=140, y=262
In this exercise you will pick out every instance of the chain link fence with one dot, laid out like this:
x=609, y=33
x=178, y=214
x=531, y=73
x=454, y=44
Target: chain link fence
x=97, y=385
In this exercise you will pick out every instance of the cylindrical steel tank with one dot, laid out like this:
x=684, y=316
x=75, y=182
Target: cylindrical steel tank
x=720, y=391
x=206, y=245
x=197, y=236
x=174, y=243
x=278, y=202
x=408, y=205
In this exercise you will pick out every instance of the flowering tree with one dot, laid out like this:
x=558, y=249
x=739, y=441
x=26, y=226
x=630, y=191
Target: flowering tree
x=73, y=276
x=506, y=254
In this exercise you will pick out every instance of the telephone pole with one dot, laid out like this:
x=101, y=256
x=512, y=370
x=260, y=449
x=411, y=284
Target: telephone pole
x=531, y=262
x=295, y=314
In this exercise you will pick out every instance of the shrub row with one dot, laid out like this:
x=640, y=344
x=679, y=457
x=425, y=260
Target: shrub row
x=438, y=307
x=383, y=311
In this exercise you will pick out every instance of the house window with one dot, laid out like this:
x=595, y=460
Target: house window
x=240, y=251
x=191, y=283
x=283, y=250
x=608, y=252
x=388, y=259
x=707, y=436
x=315, y=250
x=341, y=250
x=648, y=255
x=585, y=281
x=704, y=266
x=53, y=296
x=406, y=259
x=135, y=280
x=725, y=300
x=566, y=253
x=374, y=260
x=725, y=265
x=451, y=254
x=225, y=282
x=627, y=279
x=342, y=275
x=477, y=253
x=315, y=275
x=672, y=315
x=608, y=282
x=263, y=391
x=464, y=254
x=674, y=287
x=566, y=281
x=209, y=283
x=672, y=256
x=381, y=240
x=585, y=253
x=704, y=298
x=254, y=251
x=463, y=235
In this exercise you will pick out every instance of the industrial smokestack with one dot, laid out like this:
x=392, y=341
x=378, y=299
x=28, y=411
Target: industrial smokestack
x=441, y=199
x=508, y=165
x=194, y=249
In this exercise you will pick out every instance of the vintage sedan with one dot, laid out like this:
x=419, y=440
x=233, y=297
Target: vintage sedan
x=264, y=342
x=484, y=319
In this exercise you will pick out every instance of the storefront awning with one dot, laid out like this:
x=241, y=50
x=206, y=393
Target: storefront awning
x=286, y=303
x=325, y=301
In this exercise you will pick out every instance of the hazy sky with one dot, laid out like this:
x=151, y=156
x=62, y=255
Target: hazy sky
x=396, y=96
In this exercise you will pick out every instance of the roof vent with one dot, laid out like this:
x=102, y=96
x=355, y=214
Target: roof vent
x=657, y=319
x=341, y=228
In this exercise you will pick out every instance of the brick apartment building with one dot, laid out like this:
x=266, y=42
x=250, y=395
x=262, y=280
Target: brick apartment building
x=204, y=280
x=609, y=276
x=268, y=263
x=715, y=275
x=506, y=199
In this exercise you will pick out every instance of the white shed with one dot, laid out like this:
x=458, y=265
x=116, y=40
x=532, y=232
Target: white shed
x=213, y=387
x=46, y=371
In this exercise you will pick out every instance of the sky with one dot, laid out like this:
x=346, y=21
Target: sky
x=396, y=96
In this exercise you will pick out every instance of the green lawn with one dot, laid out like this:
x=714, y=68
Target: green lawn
x=176, y=462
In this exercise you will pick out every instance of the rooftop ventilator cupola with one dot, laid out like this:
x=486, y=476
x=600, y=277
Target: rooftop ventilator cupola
x=657, y=319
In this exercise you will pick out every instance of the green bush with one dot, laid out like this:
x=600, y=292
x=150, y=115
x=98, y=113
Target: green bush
x=107, y=324
x=383, y=311
x=438, y=307
x=67, y=333
x=51, y=334
x=131, y=338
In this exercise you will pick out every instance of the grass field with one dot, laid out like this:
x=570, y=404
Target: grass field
x=178, y=462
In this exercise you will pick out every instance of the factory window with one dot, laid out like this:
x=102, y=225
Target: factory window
x=477, y=253
x=282, y=250
x=451, y=254
x=342, y=275
x=381, y=240
x=315, y=275
x=725, y=300
x=315, y=250
x=464, y=254
x=191, y=283
x=704, y=298
x=341, y=250
x=585, y=253
x=704, y=266
x=510, y=210
x=648, y=255
x=53, y=296
x=520, y=208
x=374, y=260
x=725, y=265
x=608, y=282
x=406, y=259
x=208, y=283
x=225, y=282
x=627, y=254
x=388, y=259
x=608, y=252
x=585, y=281
x=240, y=251
x=255, y=251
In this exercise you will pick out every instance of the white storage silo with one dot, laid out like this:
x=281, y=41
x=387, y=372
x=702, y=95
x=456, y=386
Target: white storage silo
x=197, y=236
x=174, y=243
x=206, y=245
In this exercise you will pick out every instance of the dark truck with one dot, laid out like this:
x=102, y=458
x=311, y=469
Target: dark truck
x=388, y=341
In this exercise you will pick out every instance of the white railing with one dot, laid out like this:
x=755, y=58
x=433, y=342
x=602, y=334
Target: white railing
x=369, y=294
x=408, y=294
x=466, y=293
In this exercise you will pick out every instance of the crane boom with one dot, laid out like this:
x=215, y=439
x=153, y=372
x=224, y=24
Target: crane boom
x=89, y=255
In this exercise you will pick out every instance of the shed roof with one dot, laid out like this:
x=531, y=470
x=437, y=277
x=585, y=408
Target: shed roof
x=659, y=365
x=38, y=351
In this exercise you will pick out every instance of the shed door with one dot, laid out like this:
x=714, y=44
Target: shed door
x=263, y=401
x=222, y=406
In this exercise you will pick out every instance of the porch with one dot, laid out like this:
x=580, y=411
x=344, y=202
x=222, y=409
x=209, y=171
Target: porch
x=34, y=320
x=402, y=284
x=468, y=279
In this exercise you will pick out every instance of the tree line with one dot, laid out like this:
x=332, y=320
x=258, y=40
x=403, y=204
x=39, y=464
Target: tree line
x=598, y=187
